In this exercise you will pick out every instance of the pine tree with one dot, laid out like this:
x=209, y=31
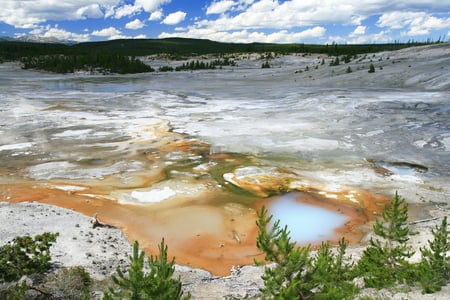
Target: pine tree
x=297, y=275
x=157, y=284
x=383, y=262
x=332, y=273
x=291, y=277
x=434, y=269
x=371, y=68
x=265, y=65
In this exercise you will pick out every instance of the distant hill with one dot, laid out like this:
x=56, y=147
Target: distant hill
x=181, y=46
x=40, y=53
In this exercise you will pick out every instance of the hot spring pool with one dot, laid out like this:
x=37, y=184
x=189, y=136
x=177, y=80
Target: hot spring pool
x=306, y=223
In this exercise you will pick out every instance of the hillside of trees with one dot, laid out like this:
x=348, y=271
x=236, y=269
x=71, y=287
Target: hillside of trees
x=119, y=56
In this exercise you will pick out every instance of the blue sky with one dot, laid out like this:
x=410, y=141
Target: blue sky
x=289, y=21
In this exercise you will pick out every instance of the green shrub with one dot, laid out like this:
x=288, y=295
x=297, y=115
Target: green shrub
x=383, y=262
x=265, y=65
x=157, y=284
x=335, y=62
x=296, y=274
x=333, y=275
x=434, y=269
x=291, y=277
x=371, y=68
x=25, y=255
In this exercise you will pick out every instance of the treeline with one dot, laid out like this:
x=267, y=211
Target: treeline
x=96, y=63
x=200, y=65
x=61, y=58
x=188, y=47
x=91, y=55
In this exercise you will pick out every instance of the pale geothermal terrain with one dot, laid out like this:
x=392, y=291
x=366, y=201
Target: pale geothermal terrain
x=192, y=156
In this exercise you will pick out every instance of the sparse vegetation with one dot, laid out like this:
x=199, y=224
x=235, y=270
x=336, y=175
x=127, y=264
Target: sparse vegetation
x=388, y=249
x=165, y=69
x=434, y=269
x=68, y=283
x=26, y=255
x=297, y=274
x=97, y=63
x=156, y=284
x=335, y=62
x=291, y=277
x=347, y=58
x=265, y=65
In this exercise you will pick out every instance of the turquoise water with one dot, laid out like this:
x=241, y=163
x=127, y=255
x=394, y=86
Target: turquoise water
x=307, y=223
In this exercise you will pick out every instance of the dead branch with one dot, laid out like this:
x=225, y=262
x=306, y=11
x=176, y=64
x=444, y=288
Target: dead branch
x=423, y=221
x=96, y=223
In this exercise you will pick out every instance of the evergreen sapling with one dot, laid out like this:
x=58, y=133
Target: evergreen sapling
x=434, y=269
x=384, y=261
x=157, y=284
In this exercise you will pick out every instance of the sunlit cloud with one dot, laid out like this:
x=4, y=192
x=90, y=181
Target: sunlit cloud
x=151, y=5
x=346, y=20
x=156, y=15
x=90, y=11
x=174, y=18
x=126, y=10
x=360, y=30
x=59, y=34
x=244, y=36
x=413, y=23
x=135, y=24
x=219, y=7
x=107, y=32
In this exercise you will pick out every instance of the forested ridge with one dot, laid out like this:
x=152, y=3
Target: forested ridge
x=119, y=56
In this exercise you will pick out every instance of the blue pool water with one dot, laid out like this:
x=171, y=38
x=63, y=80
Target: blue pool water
x=307, y=223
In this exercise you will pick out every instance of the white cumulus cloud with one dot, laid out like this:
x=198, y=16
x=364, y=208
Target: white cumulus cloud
x=108, y=32
x=30, y=13
x=151, y=5
x=258, y=19
x=219, y=7
x=62, y=34
x=59, y=34
x=413, y=23
x=174, y=18
x=90, y=11
x=156, y=15
x=135, y=24
x=359, y=30
x=244, y=36
x=126, y=10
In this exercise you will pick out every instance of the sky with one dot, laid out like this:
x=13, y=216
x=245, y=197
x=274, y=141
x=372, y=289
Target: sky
x=240, y=21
